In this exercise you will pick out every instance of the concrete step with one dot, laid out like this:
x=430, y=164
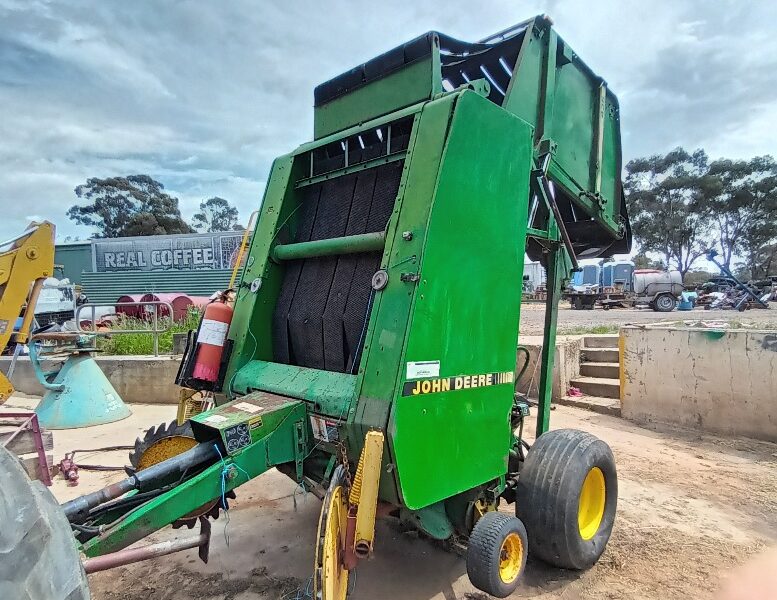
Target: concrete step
x=606, y=406
x=598, y=386
x=608, y=340
x=601, y=369
x=599, y=355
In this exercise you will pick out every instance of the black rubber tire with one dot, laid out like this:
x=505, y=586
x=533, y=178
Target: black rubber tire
x=548, y=493
x=664, y=303
x=38, y=556
x=483, y=552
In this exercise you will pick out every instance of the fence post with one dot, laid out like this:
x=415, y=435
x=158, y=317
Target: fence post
x=156, y=330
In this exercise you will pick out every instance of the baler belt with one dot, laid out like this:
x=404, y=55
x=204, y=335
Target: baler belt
x=322, y=305
x=280, y=329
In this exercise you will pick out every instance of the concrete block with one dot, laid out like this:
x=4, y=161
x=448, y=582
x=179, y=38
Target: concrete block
x=605, y=355
x=137, y=379
x=607, y=370
x=601, y=341
x=566, y=364
x=721, y=381
x=598, y=386
x=605, y=406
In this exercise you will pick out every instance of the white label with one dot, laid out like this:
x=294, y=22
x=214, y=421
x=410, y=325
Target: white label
x=424, y=368
x=215, y=419
x=212, y=332
x=248, y=407
x=323, y=430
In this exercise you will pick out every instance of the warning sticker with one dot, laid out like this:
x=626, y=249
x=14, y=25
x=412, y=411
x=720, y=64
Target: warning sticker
x=423, y=368
x=212, y=332
x=236, y=438
x=215, y=419
x=324, y=429
x=248, y=407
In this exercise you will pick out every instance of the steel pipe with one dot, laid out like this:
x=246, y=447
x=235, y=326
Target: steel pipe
x=350, y=244
x=133, y=555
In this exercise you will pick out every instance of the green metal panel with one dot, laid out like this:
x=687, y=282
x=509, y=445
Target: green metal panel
x=250, y=327
x=386, y=333
x=554, y=90
x=75, y=260
x=107, y=287
x=466, y=309
x=397, y=90
x=328, y=392
x=250, y=419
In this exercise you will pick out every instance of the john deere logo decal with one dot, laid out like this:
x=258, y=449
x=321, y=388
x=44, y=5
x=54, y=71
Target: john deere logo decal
x=461, y=382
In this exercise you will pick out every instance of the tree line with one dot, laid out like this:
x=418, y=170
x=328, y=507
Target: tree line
x=682, y=204
x=138, y=205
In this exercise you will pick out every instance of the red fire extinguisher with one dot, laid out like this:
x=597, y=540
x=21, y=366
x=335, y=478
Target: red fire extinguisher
x=211, y=338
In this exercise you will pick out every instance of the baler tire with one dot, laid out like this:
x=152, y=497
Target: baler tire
x=562, y=469
x=38, y=556
x=494, y=535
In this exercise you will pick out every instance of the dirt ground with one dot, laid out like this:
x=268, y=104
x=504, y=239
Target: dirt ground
x=576, y=321
x=690, y=508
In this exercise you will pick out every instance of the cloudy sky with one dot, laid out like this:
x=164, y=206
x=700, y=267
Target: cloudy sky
x=202, y=94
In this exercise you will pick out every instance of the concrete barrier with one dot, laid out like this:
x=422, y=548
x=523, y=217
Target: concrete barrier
x=717, y=380
x=138, y=379
x=566, y=364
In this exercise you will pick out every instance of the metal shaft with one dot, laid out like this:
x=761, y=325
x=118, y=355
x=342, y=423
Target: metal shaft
x=562, y=228
x=133, y=555
x=78, y=509
x=351, y=244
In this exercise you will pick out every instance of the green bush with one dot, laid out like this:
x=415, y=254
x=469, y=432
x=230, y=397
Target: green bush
x=139, y=344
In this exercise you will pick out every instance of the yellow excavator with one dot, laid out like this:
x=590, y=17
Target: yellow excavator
x=25, y=263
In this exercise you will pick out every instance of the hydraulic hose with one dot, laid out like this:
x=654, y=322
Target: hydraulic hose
x=522, y=371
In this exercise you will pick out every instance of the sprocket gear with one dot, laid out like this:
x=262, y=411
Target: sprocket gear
x=165, y=441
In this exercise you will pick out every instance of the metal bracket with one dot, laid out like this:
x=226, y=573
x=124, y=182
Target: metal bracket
x=299, y=450
x=547, y=147
x=543, y=190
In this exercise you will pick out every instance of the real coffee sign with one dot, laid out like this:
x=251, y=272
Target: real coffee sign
x=167, y=252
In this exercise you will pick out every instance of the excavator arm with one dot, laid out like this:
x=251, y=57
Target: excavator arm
x=24, y=266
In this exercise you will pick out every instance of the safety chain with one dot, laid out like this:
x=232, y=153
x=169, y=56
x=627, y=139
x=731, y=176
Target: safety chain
x=344, y=461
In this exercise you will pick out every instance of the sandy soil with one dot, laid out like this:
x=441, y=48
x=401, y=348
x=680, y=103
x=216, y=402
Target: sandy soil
x=691, y=507
x=572, y=321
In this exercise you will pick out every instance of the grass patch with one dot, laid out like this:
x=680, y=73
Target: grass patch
x=142, y=344
x=588, y=329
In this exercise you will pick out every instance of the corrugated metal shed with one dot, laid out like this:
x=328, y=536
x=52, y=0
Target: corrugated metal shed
x=107, y=287
x=75, y=259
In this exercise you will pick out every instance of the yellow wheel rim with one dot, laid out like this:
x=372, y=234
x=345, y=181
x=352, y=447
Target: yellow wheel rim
x=590, y=511
x=331, y=578
x=165, y=448
x=510, y=558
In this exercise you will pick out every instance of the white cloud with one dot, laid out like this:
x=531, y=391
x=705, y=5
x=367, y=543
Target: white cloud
x=202, y=96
